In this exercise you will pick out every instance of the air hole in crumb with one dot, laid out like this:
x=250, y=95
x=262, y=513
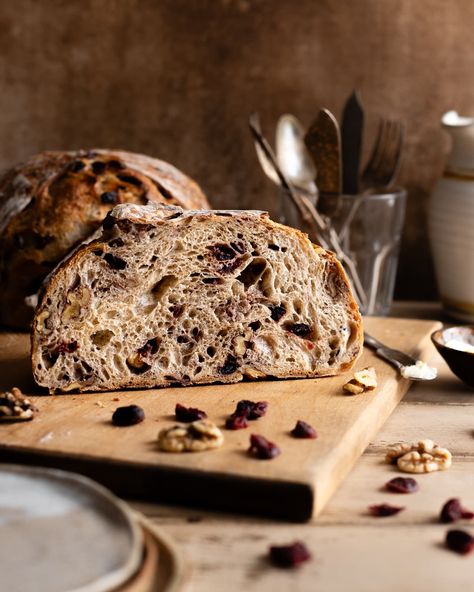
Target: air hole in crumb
x=115, y=262
x=255, y=325
x=211, y=351
x=164, y=284
x=252, y=273
x=101, y=338
x=274, y=247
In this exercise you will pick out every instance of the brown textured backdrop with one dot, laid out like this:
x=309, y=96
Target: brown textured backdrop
x=178, y=78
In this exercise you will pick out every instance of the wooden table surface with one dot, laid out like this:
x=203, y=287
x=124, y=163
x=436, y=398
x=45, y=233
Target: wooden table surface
x=352, y=550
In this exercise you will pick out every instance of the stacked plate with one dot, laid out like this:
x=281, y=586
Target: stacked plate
x=61, y=532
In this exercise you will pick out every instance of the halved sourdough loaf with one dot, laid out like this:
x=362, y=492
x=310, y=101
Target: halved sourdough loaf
x=169, y=296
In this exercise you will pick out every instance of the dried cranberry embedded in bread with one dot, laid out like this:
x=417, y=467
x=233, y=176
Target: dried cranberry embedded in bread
x=222, y=252
x=251, y=409
x=176, y=310
x=402, y=485
x=277, y=312
x=150, y=347
x=453, y=511
x=231, y=266
x=300, y=329
x=239, y=247
x=236, y=422
x=212, y=281
x=289, y=555
x=188, y=414
x=67, y=348
x=128, y=415
x=383, y=510
x=459, y=541
x=229, y=367
x=262, y=448
x=303, y=430
x=109, y=197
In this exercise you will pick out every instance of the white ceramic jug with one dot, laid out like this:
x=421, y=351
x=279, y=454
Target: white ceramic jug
x=451, y=221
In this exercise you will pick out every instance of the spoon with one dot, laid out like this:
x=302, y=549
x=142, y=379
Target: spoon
x=407, y=365
x=292, y=154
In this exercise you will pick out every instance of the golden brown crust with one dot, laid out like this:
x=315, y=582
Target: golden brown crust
x=55, y=200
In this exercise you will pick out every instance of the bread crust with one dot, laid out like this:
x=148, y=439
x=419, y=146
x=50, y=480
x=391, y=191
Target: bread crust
x=55, y=200
x=135, y=221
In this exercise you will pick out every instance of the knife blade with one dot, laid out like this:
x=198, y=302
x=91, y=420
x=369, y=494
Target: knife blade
x=351, y=132
x=323, y=141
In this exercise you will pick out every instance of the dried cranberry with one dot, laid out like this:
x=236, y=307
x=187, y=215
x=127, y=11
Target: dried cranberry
x=277, y=312
x=459, y=541
x=239, y=247
x=230, y=366
x=109, y=197
x=98, y=167
x=383, y=510
x=262, y=448
x=303, y=430
x=115, y=262
x=300, y=329
x=116, y=242
x=150, y=347
x=67, y=348
x=289, y=555
x=127, y=416
x=236, y=422
x=188, y=414
x=402, y=485
x=250, y=409
x=176, y=310
x=453, y=511
x=230, y=266
x=211, y=281
x=222, y=252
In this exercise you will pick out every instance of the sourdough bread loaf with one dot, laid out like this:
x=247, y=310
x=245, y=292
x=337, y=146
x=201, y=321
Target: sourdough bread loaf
x=51, y=203
x=168, y=296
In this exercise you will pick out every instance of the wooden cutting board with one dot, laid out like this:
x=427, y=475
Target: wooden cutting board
x=75, y=432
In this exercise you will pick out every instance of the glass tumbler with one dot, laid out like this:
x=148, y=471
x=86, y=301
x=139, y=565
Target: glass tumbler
x=369, y=228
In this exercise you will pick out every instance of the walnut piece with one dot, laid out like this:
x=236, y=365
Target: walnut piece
x=364, y=380
x=423, y=457
x=395, y=451
x=75, y=303
x=15, y=406
x=194, y=437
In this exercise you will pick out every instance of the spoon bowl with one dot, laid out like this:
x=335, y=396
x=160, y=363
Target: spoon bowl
x=456, y=346
x=292, y=154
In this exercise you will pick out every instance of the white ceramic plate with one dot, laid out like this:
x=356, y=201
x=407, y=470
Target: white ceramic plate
x=61, y=532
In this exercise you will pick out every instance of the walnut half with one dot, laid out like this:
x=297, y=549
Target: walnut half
x=197, y=436
x=423, y=457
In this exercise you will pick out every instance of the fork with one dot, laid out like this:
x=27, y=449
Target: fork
x=385, y=160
